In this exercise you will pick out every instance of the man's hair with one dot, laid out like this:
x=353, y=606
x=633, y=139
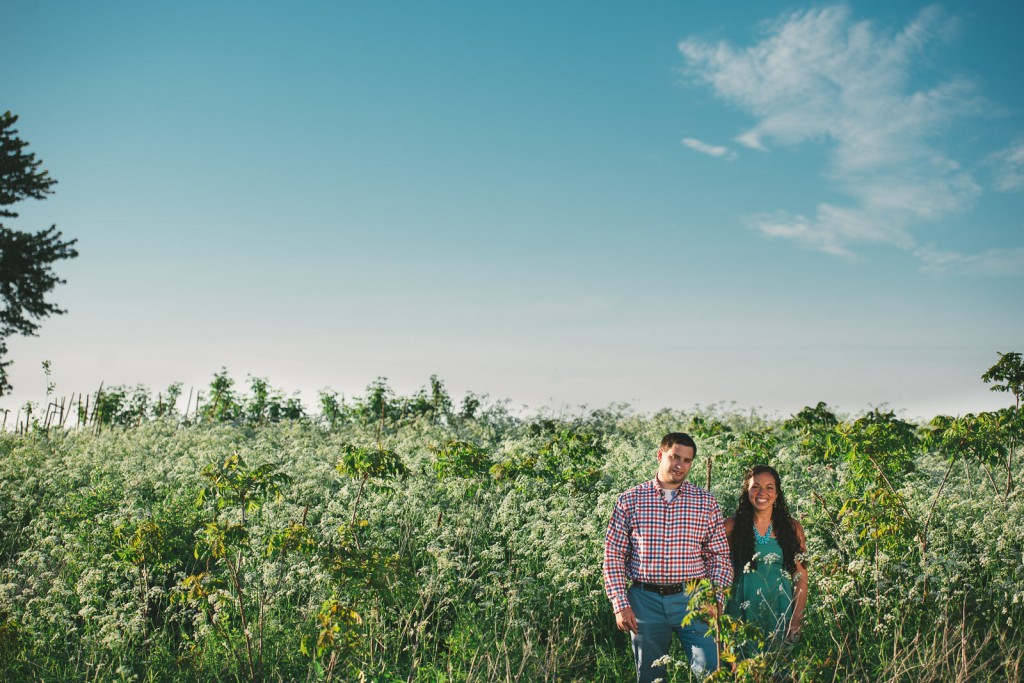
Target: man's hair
x=681, y=438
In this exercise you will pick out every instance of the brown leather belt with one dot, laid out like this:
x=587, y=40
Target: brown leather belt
x=661, y=588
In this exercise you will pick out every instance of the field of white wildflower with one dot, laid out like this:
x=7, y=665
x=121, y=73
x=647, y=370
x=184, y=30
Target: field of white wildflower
x=406, y=539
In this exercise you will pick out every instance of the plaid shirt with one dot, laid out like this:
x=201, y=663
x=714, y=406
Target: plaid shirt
x=652, y=541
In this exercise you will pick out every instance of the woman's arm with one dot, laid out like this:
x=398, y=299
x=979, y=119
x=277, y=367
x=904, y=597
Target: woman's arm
x=799, y=584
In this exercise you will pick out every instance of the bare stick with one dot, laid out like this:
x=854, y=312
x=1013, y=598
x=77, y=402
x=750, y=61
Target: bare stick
x=64, y=415
x=96, y=406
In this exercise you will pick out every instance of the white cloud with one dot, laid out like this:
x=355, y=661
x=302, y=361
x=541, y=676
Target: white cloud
x=833, y=229
x=821, y=77
x=710, y=150
x=752, y=140
x=1000, y=262
x=1009, y=168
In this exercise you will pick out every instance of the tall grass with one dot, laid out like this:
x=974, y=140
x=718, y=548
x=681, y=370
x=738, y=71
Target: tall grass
x=481, y=564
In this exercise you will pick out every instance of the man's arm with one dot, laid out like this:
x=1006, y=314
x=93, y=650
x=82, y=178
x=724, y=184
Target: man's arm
x=616, y=550
x=717, y=561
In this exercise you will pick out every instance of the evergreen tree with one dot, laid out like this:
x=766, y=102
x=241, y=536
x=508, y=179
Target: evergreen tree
x=26, y=259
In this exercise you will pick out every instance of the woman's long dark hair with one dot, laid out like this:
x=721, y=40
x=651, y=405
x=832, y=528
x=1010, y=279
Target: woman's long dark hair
x=741, y=543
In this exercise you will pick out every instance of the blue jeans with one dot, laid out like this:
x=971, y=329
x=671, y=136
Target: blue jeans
x=657, y=617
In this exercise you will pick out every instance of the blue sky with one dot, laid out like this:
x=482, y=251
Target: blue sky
x=560, y=204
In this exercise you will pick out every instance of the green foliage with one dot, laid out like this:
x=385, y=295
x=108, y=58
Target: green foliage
x=26, y=259
x=233, y=484
x=879, y=449
x=338, y=634
x=366, y=464
x=379, y=404
x=435, y=404
x=295, y=538
x=23, y=175
x=262, y=405
x=813, y=427
x=572, y=457
x=456, y=458
x=971, y=438
x=714, y=436
x=1010, y=371
x=223, y=404
x=8, y=637
x=165, y=405
x=470, y=406
x=269, y=405
x=120, y=406
x=331, y=410
x=370, y=463
x=741, y=646
x=566, y=457
x=986, y=440
x=382, y=408
x=140, y=543
x=878, y=444
x=233, y=602
x=755, y=446
x=254, y=549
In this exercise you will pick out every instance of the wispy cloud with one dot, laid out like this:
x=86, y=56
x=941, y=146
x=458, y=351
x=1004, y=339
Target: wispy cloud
x=710, y=150
x=821, y=77
x=1009, y=168
x=1000, y=262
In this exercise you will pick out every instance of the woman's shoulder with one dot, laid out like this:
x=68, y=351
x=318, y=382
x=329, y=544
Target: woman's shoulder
x=730, y=522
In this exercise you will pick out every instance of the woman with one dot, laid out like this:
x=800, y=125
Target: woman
x=767, y=546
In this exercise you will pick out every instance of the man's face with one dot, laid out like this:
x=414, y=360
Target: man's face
x=674, y=464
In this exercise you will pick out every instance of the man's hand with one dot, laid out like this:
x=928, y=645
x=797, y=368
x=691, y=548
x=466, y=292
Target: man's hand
x=626, y=620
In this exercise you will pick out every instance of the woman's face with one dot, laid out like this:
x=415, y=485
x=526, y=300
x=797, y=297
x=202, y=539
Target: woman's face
x=762, y=491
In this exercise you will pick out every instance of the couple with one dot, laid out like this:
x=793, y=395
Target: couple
x=667, y=531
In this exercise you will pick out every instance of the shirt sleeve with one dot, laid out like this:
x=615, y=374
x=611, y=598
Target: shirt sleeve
x=616, y=549
x=717, y=561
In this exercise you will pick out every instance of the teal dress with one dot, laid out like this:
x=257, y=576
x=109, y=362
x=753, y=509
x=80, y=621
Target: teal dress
x=763, y=595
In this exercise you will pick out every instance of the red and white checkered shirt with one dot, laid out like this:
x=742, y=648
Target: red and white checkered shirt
x=652, y=541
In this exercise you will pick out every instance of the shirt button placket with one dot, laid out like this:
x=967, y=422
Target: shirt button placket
x=665, y=542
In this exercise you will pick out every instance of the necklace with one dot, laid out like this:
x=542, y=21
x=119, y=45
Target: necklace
x=762, y=538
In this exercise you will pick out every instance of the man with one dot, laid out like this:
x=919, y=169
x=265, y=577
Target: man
x=663, y=533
